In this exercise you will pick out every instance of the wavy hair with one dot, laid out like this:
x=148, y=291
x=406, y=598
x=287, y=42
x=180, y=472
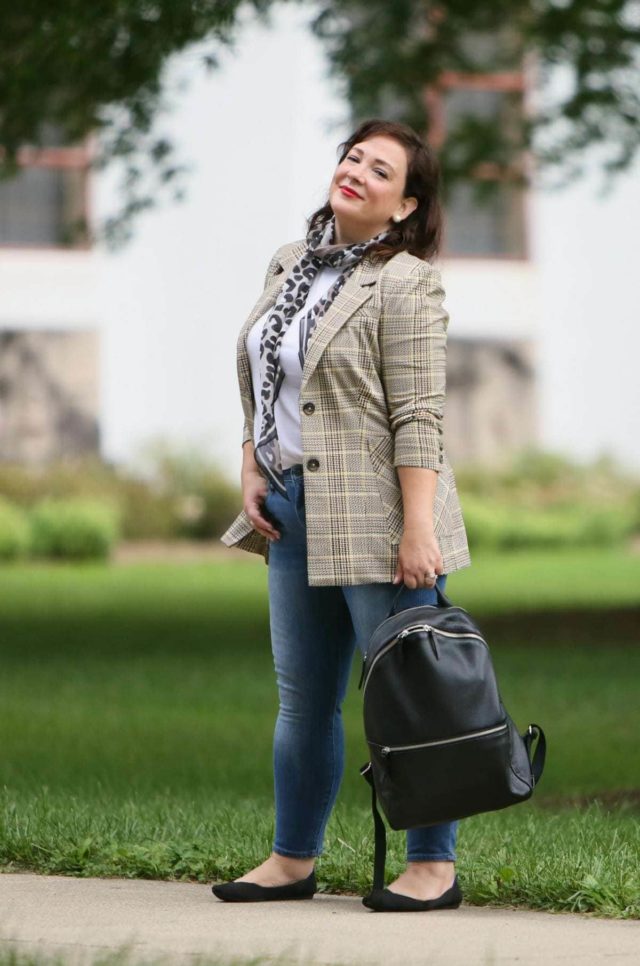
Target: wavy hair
x=420, y=233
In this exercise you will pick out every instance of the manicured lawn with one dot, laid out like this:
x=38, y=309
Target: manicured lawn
x=138, y=706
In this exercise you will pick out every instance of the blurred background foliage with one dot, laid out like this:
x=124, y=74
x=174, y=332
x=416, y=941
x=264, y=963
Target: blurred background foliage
x=82, y=508
x=99, y=70
x=543, y=499
x=172, y=493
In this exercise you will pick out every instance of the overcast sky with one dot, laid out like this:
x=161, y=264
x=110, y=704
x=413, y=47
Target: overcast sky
x=261, y=134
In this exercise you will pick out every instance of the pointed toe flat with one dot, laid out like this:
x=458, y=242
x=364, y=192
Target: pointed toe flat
x=252, y=892
x=384, y=900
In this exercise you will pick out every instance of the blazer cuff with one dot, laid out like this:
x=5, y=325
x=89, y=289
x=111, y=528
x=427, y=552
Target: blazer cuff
x=418, y=442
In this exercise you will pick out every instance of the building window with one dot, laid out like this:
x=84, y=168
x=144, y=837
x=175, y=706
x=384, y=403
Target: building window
x=43, y=206
x=45, y=203
x=494, y=226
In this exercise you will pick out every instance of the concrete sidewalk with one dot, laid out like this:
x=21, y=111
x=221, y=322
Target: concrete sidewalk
x=84, y=919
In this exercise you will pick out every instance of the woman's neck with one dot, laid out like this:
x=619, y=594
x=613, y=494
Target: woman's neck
x=346, y=236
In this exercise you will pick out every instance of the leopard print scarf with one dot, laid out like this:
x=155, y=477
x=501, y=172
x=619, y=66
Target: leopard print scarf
x=321, y=250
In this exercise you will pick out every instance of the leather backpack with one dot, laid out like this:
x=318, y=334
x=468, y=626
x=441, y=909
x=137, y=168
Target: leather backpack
x=442, y=745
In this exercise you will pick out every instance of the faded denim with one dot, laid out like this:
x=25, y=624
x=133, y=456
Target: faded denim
x=314, y=634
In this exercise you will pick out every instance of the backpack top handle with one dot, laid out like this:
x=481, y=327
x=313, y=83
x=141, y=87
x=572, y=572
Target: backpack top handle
x=443, y=600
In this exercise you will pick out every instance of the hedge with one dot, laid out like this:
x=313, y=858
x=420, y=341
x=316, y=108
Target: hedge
x=73, y=529
x=14, y=531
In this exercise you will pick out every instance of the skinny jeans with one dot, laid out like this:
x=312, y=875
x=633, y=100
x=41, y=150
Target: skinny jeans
x=314, y=634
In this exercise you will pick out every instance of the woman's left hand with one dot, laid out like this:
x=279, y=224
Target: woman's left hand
x=418, y=557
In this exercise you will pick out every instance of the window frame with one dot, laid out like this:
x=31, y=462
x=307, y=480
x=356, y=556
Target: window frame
x=75, y=158
x=435, y=103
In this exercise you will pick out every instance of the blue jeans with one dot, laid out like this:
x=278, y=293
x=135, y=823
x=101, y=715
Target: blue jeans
x=314, y=632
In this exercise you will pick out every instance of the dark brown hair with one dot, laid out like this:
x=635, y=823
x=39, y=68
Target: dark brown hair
x=421, y=232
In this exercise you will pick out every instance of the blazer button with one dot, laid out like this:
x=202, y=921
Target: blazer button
x=313, y=465
x=309, y=409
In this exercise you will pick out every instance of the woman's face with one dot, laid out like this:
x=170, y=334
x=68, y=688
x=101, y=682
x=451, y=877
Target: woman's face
x=376, y=170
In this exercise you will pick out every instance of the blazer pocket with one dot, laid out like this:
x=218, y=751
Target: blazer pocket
x=442, y=503
x=381, y=454
x=381, y=450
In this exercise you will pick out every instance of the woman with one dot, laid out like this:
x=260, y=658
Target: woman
x=347, y=491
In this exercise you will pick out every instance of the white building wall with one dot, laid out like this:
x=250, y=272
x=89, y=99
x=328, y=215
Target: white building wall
x=49, y=354
x=48, y=289
x=492, y=298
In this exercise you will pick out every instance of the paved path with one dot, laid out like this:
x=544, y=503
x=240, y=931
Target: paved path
x=86, y=918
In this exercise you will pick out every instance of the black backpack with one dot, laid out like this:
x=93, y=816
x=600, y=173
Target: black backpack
x=442, y=745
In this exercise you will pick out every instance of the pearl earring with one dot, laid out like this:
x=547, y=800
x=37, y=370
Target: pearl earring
x=397, y=218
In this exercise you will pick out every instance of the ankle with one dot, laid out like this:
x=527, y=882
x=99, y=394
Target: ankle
x=302, y=868
x=443, y=871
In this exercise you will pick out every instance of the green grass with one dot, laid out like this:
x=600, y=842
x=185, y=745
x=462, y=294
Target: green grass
x=128, y=956
x=570, y=860
x=495, y=583
x=138, y=706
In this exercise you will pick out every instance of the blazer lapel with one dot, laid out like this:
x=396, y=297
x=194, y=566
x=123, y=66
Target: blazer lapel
x=356, y=290
x=266, y=301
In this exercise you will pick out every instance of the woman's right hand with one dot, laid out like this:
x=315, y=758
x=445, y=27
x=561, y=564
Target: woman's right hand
x=254, y=491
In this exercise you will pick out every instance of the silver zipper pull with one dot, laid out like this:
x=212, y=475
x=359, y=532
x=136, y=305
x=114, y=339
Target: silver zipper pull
x=385, y=751
x=413, y=630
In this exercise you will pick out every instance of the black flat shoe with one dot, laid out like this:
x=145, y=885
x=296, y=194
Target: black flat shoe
x=252, y=892
x=383, y=900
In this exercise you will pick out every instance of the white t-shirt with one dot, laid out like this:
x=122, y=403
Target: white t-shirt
x=286, y=409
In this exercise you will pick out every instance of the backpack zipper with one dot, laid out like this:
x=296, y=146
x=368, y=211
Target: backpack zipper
x=386, y=750
x=405, y=633
x=436, y=630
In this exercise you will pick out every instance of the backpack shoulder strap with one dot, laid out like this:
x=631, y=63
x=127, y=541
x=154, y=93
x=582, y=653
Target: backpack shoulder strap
x=380, y=846
x=537, y=761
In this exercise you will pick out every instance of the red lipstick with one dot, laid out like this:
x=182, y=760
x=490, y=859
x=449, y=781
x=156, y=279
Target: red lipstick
x=350, y=192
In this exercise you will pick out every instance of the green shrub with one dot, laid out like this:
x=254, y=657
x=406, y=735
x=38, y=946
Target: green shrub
x=544, y=478
x=173, y=492
x=14, y=532
x=542, y=499
x=145, y=511
x=74, y=529
x=605, y=526
x=204, y=500
x=502, y=525
x=210, y=509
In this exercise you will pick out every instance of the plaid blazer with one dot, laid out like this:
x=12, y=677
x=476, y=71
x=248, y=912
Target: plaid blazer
x=371, y=399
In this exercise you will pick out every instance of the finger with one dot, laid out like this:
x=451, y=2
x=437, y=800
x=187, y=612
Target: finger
x=263, y=526
x=420, y=578
x=256, y=508
x=269, y=534
x=272, y=530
